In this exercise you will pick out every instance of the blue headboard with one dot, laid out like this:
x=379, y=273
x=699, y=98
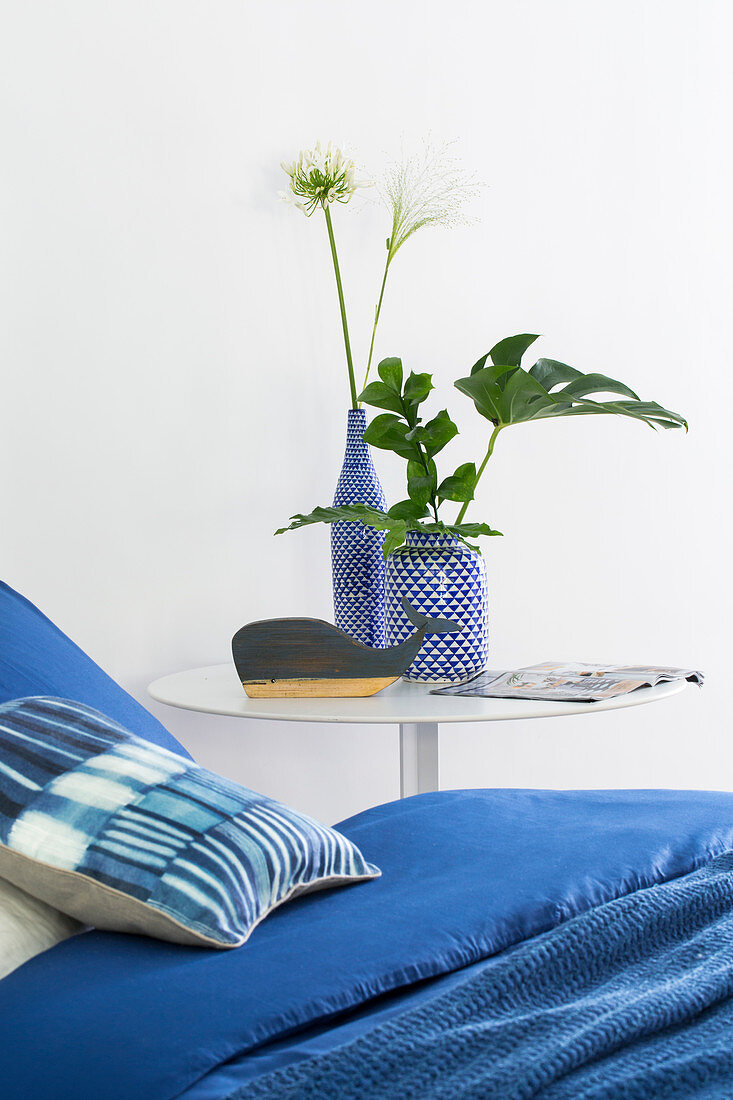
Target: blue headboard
x=36, y=658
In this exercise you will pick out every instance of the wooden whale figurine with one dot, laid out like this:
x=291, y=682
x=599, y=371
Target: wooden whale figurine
x=281, y=658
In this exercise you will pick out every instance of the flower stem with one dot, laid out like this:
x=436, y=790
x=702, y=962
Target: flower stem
x=481, y=469
x=376, y=317
x=411, y=420
x=342, y=306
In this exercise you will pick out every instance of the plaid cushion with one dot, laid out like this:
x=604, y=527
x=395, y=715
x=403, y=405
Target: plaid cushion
x=123, y=834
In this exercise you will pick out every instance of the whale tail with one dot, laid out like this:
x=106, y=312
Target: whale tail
x=432, y=626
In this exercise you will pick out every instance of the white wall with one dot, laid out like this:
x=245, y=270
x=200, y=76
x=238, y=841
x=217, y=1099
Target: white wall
x=172, y=376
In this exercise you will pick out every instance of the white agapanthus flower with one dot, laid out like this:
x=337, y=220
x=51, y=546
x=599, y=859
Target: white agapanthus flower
x=320, y=176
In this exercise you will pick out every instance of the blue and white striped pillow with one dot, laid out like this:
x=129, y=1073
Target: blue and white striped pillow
x=125, y=835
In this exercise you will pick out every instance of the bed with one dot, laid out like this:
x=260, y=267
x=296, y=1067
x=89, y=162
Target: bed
x=517, y=944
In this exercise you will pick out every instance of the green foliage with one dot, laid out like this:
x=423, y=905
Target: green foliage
x=402, y=430
x=461, y=485
x=508, y=351
x=505, y=394
x=397, y=522
x=388, y=433
x=395, y=525
x=435, y=434
x=390, y=371
x=421, y=483
x=417, y=388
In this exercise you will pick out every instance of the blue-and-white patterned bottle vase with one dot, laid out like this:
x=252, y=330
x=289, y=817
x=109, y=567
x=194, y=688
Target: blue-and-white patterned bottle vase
x=440, y=576
x=356, y=552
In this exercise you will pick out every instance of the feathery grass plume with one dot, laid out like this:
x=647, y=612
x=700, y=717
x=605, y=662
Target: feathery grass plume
x=428, y=188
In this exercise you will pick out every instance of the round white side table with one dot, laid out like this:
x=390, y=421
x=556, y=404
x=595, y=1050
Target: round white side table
x=217, y=690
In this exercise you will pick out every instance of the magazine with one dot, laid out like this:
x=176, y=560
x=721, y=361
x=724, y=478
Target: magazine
x=576, y=681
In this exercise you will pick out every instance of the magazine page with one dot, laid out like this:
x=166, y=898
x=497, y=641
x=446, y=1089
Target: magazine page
x=578, y=681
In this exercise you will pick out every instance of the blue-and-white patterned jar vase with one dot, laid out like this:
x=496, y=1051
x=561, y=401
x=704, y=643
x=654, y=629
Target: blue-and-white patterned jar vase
x=356, y=552
x=443, y=577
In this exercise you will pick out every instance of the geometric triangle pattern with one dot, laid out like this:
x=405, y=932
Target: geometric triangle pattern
x=357, y=564
x=441, y=577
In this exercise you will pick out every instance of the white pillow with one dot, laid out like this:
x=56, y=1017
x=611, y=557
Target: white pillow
x=28, y=926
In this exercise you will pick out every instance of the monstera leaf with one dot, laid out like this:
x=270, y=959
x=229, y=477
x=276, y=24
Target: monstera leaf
x=507, y=394
x=508, y=351
x=395, y=525
x=401, y=518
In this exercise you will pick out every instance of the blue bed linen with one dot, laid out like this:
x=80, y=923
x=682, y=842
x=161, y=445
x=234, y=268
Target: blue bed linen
x=633, y=999
x=324, y=1038
x=465, y=874
x=36, y=658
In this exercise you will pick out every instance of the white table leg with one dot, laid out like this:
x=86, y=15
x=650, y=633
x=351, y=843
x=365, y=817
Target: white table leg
x=419, y=758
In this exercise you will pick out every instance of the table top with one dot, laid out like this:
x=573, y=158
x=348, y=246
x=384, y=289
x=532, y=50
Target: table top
x=217, y=690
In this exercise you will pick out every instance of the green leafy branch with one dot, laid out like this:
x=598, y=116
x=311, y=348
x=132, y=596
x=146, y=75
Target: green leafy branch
x=395, y=526
x=402, y=430
x=505, y=394
x=502, y=392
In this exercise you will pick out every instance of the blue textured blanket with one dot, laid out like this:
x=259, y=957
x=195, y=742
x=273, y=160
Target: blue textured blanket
x=633, y=999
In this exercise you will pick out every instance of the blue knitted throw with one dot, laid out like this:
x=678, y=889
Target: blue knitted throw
x=631, y=1000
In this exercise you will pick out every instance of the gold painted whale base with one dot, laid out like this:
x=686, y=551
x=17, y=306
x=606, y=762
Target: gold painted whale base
x=306, y=688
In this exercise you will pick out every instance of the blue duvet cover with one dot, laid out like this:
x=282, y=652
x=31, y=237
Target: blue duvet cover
x=631, y=1000
x=341, y=981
